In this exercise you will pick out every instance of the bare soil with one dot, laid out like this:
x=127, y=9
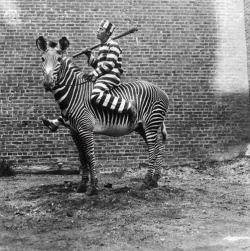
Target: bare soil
x=205, y=207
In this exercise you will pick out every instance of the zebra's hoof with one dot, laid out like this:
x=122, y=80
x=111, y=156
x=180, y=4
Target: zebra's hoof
x=53, y=127
x=92, y=191
x=153, y=184
x=149, y=183
x=156, y=177
x=81, y=189
x=144, y=186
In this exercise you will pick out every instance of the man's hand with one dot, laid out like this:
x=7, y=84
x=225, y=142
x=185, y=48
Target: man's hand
x=89, y=77
x=87, y=52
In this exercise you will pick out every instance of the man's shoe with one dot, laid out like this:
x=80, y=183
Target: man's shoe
x=50, y=124
x=132, y=114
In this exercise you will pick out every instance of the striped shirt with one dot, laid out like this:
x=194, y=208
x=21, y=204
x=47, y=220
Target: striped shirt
x=108, y=61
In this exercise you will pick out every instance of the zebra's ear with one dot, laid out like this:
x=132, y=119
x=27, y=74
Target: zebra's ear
x=64, y=44
x=41, y=43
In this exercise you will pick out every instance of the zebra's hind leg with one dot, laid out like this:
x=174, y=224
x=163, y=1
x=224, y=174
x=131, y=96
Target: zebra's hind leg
x=150, y=137
x=158, y=161
x=155, y=159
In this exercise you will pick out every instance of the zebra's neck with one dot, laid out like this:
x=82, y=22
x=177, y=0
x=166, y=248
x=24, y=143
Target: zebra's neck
x=71, y=86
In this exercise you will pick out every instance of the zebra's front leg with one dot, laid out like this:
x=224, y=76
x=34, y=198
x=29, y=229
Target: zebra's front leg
x=87, y=150
x=84, y=169
x=82, y=187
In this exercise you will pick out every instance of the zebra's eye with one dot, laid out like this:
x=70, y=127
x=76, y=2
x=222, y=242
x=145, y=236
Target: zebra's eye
x=43, y=59
x=59, y=59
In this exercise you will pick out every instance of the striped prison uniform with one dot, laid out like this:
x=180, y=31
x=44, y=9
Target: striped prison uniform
x=108, y=70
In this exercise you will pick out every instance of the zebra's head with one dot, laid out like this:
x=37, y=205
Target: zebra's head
x=51, y=59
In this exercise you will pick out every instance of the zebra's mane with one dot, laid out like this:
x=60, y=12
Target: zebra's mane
x=69, y=63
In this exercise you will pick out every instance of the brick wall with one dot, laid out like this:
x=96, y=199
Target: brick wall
x=247, y=32
x=194, y=50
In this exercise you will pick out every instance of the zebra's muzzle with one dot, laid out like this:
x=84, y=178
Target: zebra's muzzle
x=48, y=86
x=48, y=83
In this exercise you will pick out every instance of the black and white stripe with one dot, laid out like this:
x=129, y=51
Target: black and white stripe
x=73, y=95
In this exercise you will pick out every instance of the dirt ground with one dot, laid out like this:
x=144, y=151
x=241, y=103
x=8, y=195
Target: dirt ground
x=205, y=207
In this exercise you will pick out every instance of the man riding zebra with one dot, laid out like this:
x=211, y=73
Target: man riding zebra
x=89, y=107
x=106, y=75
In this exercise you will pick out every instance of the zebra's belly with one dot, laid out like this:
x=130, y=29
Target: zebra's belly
x=113, y=130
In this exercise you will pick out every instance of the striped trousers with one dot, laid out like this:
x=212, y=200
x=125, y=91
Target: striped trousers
x=101, y=96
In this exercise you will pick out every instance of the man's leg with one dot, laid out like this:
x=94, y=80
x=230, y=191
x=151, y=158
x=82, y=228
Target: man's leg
x=101, y=97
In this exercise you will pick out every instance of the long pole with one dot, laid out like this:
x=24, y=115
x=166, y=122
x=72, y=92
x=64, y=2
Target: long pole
x=114, y=38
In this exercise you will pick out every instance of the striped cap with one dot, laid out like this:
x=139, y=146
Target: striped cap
x=107, y=25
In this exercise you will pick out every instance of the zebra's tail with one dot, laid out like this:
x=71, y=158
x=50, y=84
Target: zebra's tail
x=163, y=132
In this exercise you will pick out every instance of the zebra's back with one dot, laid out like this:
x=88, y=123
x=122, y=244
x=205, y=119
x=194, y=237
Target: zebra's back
x=145, y=97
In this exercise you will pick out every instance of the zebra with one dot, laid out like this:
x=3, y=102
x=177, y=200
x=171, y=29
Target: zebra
x=84, y=119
